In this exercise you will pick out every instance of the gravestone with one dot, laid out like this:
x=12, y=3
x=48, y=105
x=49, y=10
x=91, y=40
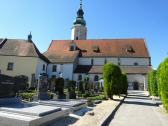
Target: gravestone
x=8, y=87
x=43, y=87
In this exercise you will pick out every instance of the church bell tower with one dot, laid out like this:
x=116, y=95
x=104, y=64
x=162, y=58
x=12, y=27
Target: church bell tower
x=79, y=29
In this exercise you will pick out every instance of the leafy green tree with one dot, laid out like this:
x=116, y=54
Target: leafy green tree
x=153, y=83
x=71, y=89
x=149, y=86
x=124, y=85
x=112, y=79
x=158, y=79
x=59, y=86
x=163, y=75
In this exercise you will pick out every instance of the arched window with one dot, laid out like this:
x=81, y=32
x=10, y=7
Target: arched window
x=96, y=78
x=79, y=77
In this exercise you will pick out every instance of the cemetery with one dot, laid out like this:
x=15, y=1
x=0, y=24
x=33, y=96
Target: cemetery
x=14, y=111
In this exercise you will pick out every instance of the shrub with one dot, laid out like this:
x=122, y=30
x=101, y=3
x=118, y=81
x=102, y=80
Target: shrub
x=158, y=79
x=112, y=79
x=124, y=85
x=163, y=75
x=27, y=96
x=153, y=83
x=59, y=86
x=81, y=87
x=71, y=89
x=149, y=86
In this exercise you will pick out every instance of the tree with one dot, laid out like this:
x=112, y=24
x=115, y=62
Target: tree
x=163, y=75
x=158, y=79
x=124, y=85
x=59, y=86
x=71, y=89
x=112, y=79
x=149, y=86
x=153, y=83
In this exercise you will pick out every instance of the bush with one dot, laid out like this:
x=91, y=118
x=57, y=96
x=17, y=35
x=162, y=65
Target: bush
x=71, y=89
x=27, y=96
x=100, y=97
x=163, y=75
x=153, y=83
x=158, y=79
x=112, y=79
x=149, y=86
x=124, y=84
x=59, y=86
x=81, y=87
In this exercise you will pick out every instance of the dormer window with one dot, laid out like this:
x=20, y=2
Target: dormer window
x=72, y=46
x=96, y=48
x=130, y=49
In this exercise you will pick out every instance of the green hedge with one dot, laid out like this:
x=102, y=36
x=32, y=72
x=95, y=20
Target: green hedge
x=124, y=85
x=163, y=75
x=27, y=96
x=153, y=83
x=112, y=79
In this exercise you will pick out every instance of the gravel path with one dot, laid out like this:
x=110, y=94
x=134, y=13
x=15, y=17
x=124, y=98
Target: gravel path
x=139, y=110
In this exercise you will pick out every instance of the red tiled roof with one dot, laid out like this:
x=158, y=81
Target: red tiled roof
x=126, y=69
x=59, y=49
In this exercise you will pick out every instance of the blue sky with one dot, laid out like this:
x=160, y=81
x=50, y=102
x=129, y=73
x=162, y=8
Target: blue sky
x=52, y=20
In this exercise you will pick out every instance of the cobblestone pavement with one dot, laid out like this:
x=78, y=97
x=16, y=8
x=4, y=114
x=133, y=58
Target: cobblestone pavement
x=139, y=110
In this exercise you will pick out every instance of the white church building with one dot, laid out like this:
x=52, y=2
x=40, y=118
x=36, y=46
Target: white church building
x=80, y=57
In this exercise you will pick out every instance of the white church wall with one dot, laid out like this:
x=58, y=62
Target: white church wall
x=91, y=76
x=39, y=67
x=137, y=78
x=131, y=61
x=85, y=61
x=112, y=60
x=63, y=70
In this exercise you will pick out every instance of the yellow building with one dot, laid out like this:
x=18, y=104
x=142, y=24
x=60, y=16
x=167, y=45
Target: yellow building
x=21, y=57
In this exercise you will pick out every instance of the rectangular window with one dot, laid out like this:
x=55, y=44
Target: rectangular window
x=54, y=68
x=10, y=66
x=43, y=67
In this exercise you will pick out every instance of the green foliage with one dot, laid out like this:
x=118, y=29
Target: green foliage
x=99, y=97
x=158, y=79
x=124, y=85
x=149, y=86
x=59, y=86
x=71, y=89
x=81, y=87
x=21, y=82
x=153, y=83
x=27, y=96
x=163, y=75
x=112, y=79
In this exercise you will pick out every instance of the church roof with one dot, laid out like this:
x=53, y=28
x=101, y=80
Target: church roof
x=88, y=69
x=20, y=47
x=59, y=51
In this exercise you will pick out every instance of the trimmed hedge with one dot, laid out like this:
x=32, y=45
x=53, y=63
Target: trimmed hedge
x=112, y=79
x=153, y=83
x=158, y=79
x=124, y=84
x=163, y=81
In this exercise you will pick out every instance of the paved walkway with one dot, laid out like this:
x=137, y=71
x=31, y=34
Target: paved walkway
x=139, y=110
